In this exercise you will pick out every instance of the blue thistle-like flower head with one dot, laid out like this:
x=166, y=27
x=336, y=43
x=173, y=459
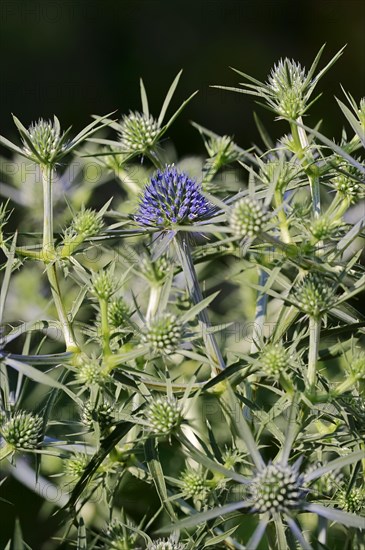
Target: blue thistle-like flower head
x=172, y=198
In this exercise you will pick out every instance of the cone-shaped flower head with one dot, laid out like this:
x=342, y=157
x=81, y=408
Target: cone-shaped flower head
x=75, y=465
x=138, y=132
x=164, y=415
x=172, y=198
x=46, y=139
x=314, y=295
x=23, y=430
x=118, y=537
x=163, y=333
x=165, y=544
x=274, y=359
x=247, y=217
x=194, y=484
x=102, y=414
x=277, y=488
x=288, y=85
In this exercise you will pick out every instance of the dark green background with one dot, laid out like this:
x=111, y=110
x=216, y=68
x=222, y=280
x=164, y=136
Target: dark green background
x=77, y=58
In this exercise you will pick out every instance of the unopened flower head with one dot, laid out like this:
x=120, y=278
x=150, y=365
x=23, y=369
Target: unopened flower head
x=118, y=312
x=157, y=270
x=287, y=83
x=163, y=333
x=279, y=171
x=101, y=413
x=352, y=501
x=104, y=285
x=277, y=488
x=323, y=228
x=47, y=140
x=194, y=484
x=166, y=544
x=274, y=359
x=223, y=150
x=347, y=183
x=90, y=371
x=87, y=223
x=172, y=198
x=164, y=415
x=314, y=295
x=138, y=132
x=23, y=430
x=247, y=218
x=75, y=465
x=118, y=537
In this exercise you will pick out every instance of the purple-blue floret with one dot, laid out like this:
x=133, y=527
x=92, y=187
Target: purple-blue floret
x=172, y=197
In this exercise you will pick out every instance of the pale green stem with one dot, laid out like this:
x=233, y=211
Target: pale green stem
x=184, y=255
x=302, y=145
x=153, y=302
x=49, y=256
x=105, y=329
x=283, y=222
x=124, y=178
x=48, y=244
x=71, y=344
x=261, y=306
x=260, y=314
x=314, y=332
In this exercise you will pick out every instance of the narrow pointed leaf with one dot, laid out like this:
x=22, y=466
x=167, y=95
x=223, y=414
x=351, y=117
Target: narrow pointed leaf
x=168, y=97
x=144, y=99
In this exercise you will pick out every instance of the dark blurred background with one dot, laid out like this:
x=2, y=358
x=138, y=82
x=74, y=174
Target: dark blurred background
x=77, y=58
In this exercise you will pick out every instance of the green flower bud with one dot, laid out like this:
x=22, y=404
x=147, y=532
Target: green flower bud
x=118, y=537
x=155, y=271
x=74, y=466
x=194, y=484
x=287, y=84
x=91, y=372
x=166, y=544
x=277, y=488
x=23, y=430
x=231, y=457
x=163, y=334
x=247, y=218
x=314, y=295
x=353, y=501
x=280, y=171
x=274, y=359
x=138, y=132
x=103, y=285
x=47, y=140
x=102, y=414
x=87, y=222
x=347, y=185
x=222, y=150
x=164, y=415
x=118, y=313
x=324, y=228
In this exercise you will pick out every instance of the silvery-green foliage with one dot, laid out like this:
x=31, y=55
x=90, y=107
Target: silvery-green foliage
x=184, y=366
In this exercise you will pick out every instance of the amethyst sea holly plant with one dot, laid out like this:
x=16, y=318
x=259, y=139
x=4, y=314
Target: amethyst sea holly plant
x=182, y=363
